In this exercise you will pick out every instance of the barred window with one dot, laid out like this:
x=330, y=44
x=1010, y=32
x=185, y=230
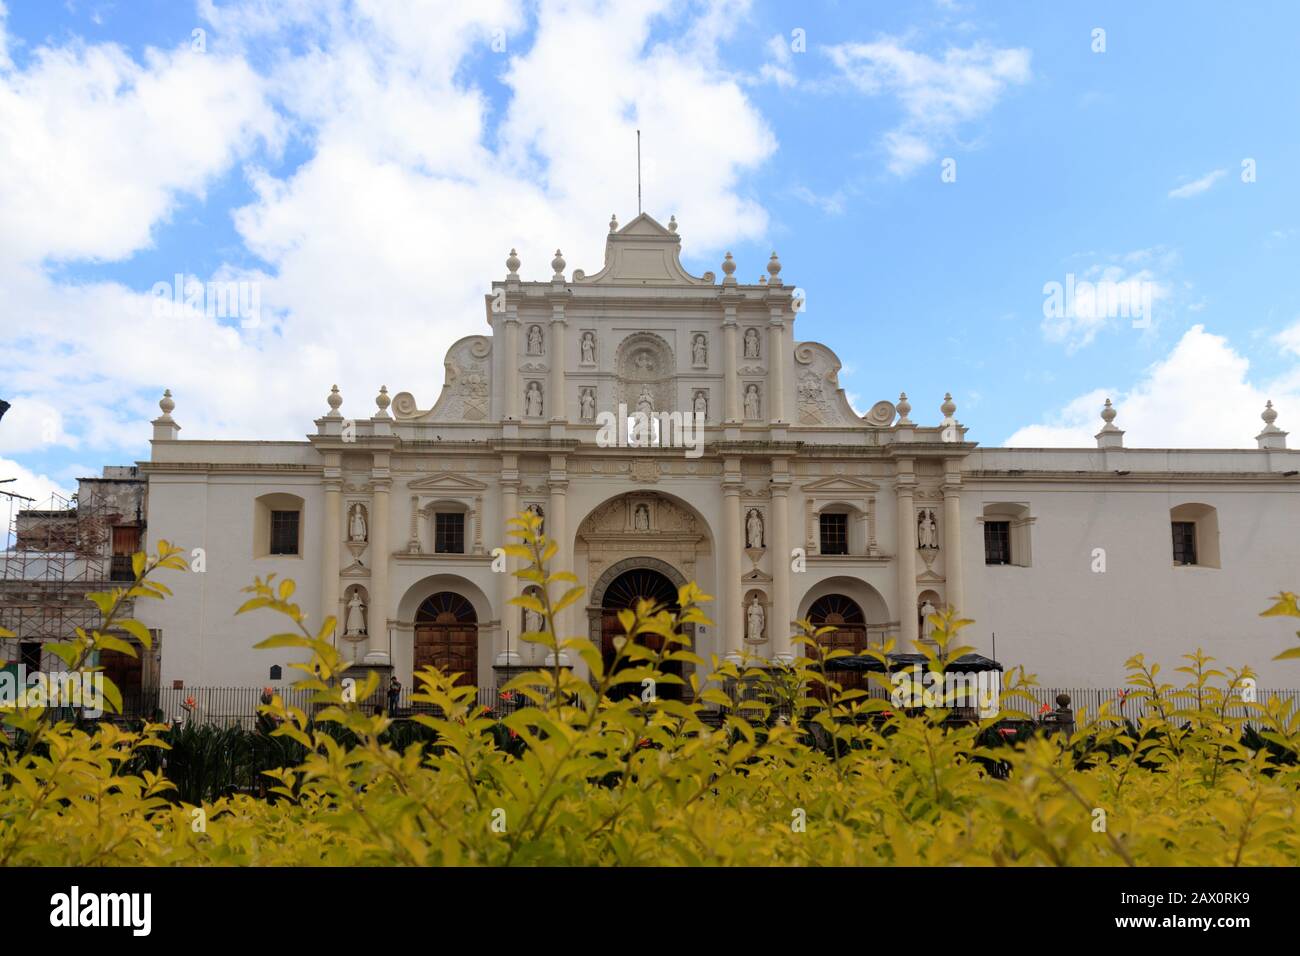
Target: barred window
x=1184, y=542
x=834, y=534
x=997, y=542
x=449, y=532
x=284, y=532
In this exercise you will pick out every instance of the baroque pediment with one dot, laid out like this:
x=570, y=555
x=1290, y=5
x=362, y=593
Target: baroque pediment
x=840, y=484
x=644, y=252
x=446, y=482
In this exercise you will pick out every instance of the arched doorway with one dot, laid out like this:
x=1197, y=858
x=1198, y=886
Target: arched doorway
x=446, y=636
x=850, y=634
x=622, y=593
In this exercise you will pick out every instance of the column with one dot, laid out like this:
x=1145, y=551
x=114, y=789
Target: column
x=379, y=556
x=507, y=584
x=731, y=385
x=511, y=364
x=557, y=529
x=779, y=628
x=732, y=546
x=907, y=631
x=557, y=404
x=776, y=366
x=952, y=569
x=331, y=535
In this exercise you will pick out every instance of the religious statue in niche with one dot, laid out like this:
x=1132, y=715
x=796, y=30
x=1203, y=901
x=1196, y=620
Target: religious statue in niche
x=701, y=406
x=357, y=523
x=588, y=348
x=927, y=626
x=533, y=621
x=754, y=621
x=645, y=405
x=751, y=401
x=927, y=532
x=534, y=340
x=641, y=518
x=533, y=400
x=644, y=362
x=536, y=509
x=700, y=350
x=751, y=343
x=355, y=622
x=587, y=404
x=753, y=529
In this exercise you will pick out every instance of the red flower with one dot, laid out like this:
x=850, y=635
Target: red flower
x=643, y=742
x=514, y=735
x=507, y=695
x=189, y=701
x=1044, y=709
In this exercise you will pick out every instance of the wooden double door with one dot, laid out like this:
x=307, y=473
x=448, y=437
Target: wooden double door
x=446, y=637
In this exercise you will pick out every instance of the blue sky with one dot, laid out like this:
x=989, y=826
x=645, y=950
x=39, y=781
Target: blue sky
x=370, y=165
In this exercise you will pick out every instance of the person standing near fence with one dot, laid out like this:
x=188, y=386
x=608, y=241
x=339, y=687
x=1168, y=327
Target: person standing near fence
x=394, y=693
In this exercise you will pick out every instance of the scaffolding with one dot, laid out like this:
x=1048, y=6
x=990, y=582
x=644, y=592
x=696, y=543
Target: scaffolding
x=57, y=553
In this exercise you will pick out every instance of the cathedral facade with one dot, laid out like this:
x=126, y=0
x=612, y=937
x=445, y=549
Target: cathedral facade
x=668, y=428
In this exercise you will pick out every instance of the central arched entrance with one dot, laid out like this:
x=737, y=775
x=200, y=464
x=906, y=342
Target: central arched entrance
x=619, y=589
x=446, y=636
x=850, y=634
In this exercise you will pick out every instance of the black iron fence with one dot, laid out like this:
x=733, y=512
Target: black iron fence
x=227, y=706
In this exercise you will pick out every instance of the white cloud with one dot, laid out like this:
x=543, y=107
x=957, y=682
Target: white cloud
x=778, y=68
x=1289, y=338
x=1197, y=186
x=937, y=95
x=96, y=147
x=38, y=487
x=1199, y=396
x=5, y=62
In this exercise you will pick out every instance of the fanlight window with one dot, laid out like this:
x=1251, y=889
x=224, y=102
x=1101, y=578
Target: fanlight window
x=446, y=607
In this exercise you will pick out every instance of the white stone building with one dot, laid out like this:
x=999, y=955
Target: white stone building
x=792, y=506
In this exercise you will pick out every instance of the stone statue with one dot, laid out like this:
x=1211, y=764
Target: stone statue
x=641, y=518
x=925, y=530
x=751, y=401
x=645, y=405
x=533, y=400
x=588, y=348
x=536, y=509
x=357, y=527
x=533, y=622
x=751, y=343
x=701, y=406
x=927, y=626
x=700, y=350
x=588, y=404
x=753, y=529
x=355, y=622
x=754, y=619
x=534, y=340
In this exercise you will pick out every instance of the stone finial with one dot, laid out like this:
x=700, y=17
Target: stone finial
x=1109, y=436
x=164, y=427
x=334, y=400
x=728, y=268
x=774, y=268
x=383, y=401
x=1271, y=436
x=904, y=409
x=672, y=224
x=512, y=263
x=762, y=280
x=949, y=407
x=557, y=264
x=613, y=223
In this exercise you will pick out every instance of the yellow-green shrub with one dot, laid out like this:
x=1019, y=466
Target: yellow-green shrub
x=605, y=781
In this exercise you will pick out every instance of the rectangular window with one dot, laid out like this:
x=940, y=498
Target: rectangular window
x=449, y=533
x=1184, y=542
x=284, y=532
x=126, y=542
x=997, y=542
x=835, y=534
x=30, y=655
